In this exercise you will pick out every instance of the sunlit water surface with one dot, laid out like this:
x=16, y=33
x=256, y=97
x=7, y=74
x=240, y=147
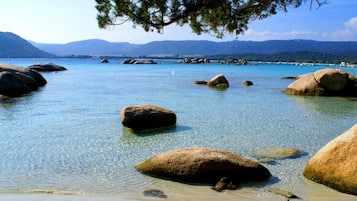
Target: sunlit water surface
x=67, y=136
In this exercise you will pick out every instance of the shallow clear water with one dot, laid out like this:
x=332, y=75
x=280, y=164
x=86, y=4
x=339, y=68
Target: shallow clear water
x=67, y=136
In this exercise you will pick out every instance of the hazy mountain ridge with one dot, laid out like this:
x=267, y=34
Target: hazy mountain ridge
x=13, y=46
x=93, y=47
x=97, y=47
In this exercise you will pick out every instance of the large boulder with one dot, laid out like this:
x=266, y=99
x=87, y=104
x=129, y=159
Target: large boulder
x=15, y=80
x=144, y=117
x=219, y=82
x=324, y=82
x=203, y=165
x=305, y=85
x=335, y=165
x=333, y=80
x=46, y=67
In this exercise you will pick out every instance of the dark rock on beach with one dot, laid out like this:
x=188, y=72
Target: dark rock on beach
x=46, y=67
x=146, y=117
x=16, y=81
x=335, y=165
x=224, y=183
x=219, y=82
x=203, y=166
x=282, y=192
x=155, y=193
x=324, y=82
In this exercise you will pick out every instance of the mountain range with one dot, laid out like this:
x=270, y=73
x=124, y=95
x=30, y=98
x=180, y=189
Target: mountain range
x=12, y=45
x=96, y=47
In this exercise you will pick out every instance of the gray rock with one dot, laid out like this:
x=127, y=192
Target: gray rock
x=46, y=67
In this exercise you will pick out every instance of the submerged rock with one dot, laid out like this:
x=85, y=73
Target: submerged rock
x=275, y=153
x=203, y=165
x=335, y=165
x=46, y=67
x=16, y=81
x=144, y=117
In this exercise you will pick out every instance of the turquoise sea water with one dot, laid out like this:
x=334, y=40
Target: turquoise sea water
x=67, y=136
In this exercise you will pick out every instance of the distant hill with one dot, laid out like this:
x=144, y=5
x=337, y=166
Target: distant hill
x=13, y=46
x=198, y=48
x=93, y=47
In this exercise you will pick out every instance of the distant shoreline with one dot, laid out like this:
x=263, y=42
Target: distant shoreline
x=211, y=58
x=286, y=57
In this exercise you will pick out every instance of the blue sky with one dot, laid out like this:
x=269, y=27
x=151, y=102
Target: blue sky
x=63, y=21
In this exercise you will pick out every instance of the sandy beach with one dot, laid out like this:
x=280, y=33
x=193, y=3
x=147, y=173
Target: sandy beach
x=308, y=191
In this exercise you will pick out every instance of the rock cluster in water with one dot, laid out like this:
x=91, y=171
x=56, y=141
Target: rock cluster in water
x=138, y=61
x=194, y=61
x=16, y=81
x=235, y=61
